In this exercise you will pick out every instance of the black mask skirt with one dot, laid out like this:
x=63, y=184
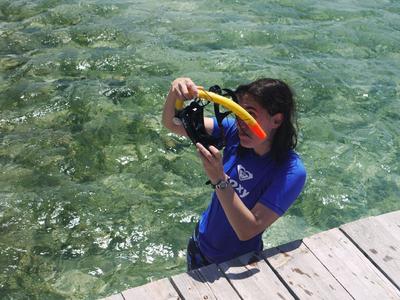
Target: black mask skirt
x=192, y=117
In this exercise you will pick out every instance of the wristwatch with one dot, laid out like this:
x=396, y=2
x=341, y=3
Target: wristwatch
x=222, y=184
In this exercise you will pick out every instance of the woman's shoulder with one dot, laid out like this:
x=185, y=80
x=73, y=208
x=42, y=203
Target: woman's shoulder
x=227, y=124
x=293, y=163
x=226, y=130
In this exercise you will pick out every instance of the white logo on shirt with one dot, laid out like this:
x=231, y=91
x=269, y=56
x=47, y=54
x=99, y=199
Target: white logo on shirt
x=243, y=173
x=242, y=192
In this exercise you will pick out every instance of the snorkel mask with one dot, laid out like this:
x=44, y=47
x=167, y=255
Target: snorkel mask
x=192, y=116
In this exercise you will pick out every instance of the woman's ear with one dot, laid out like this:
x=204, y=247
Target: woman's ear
x=277, y=120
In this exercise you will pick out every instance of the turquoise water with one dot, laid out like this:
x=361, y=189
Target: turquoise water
x=96, y=197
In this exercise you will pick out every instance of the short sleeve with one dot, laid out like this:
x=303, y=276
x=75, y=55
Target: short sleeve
x=228, y=125
x=286, y=186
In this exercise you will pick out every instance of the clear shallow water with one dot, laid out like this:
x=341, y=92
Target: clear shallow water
x=96, y=197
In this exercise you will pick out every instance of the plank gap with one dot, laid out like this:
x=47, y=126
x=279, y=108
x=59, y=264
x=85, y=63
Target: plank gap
x=285, y=284
x=329, y=271
x=370, y=258
x=176, y=288
x=233, y=287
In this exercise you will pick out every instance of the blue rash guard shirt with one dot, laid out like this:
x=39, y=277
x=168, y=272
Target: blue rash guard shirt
x=255, y=179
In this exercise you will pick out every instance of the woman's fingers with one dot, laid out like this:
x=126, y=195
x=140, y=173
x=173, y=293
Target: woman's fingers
x=192, y=89
x=212, y=162
x=215, y=152
x=211, y=154
x=185, y=88
x=204, y=152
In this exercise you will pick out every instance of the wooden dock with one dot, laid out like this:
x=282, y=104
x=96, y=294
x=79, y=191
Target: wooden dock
x=358, y=260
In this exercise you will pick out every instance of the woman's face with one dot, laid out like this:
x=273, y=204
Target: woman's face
x=267, y=122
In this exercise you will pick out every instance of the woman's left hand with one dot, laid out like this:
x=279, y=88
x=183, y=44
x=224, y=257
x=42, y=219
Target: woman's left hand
x=212, y=162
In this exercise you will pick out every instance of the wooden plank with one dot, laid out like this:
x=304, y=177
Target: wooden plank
x=391, y=221
x=254, y=279
x=160, y=290
x=378, y=243
x=114, y=297
x=204, y=283
x=350, y=267
x=305, y=274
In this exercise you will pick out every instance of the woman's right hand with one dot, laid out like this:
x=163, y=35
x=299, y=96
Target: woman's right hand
x=183, y=89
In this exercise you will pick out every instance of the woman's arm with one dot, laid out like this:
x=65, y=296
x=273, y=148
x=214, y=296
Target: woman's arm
x=181, y=89
x=246, y=223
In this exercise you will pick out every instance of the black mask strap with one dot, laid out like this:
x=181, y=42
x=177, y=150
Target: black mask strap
x=220, y=116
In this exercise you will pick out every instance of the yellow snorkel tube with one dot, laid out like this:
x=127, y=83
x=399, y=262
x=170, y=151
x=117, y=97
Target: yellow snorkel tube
x=233, y=107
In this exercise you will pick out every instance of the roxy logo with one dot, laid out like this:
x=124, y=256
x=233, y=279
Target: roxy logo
x=243, y=173
x=242, y=192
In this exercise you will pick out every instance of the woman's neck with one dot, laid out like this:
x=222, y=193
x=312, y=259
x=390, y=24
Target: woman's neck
x=263, y=148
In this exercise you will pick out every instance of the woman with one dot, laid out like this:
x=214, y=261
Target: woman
x=255, y=180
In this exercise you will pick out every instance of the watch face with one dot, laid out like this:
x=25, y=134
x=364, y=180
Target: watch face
x=222, y=185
